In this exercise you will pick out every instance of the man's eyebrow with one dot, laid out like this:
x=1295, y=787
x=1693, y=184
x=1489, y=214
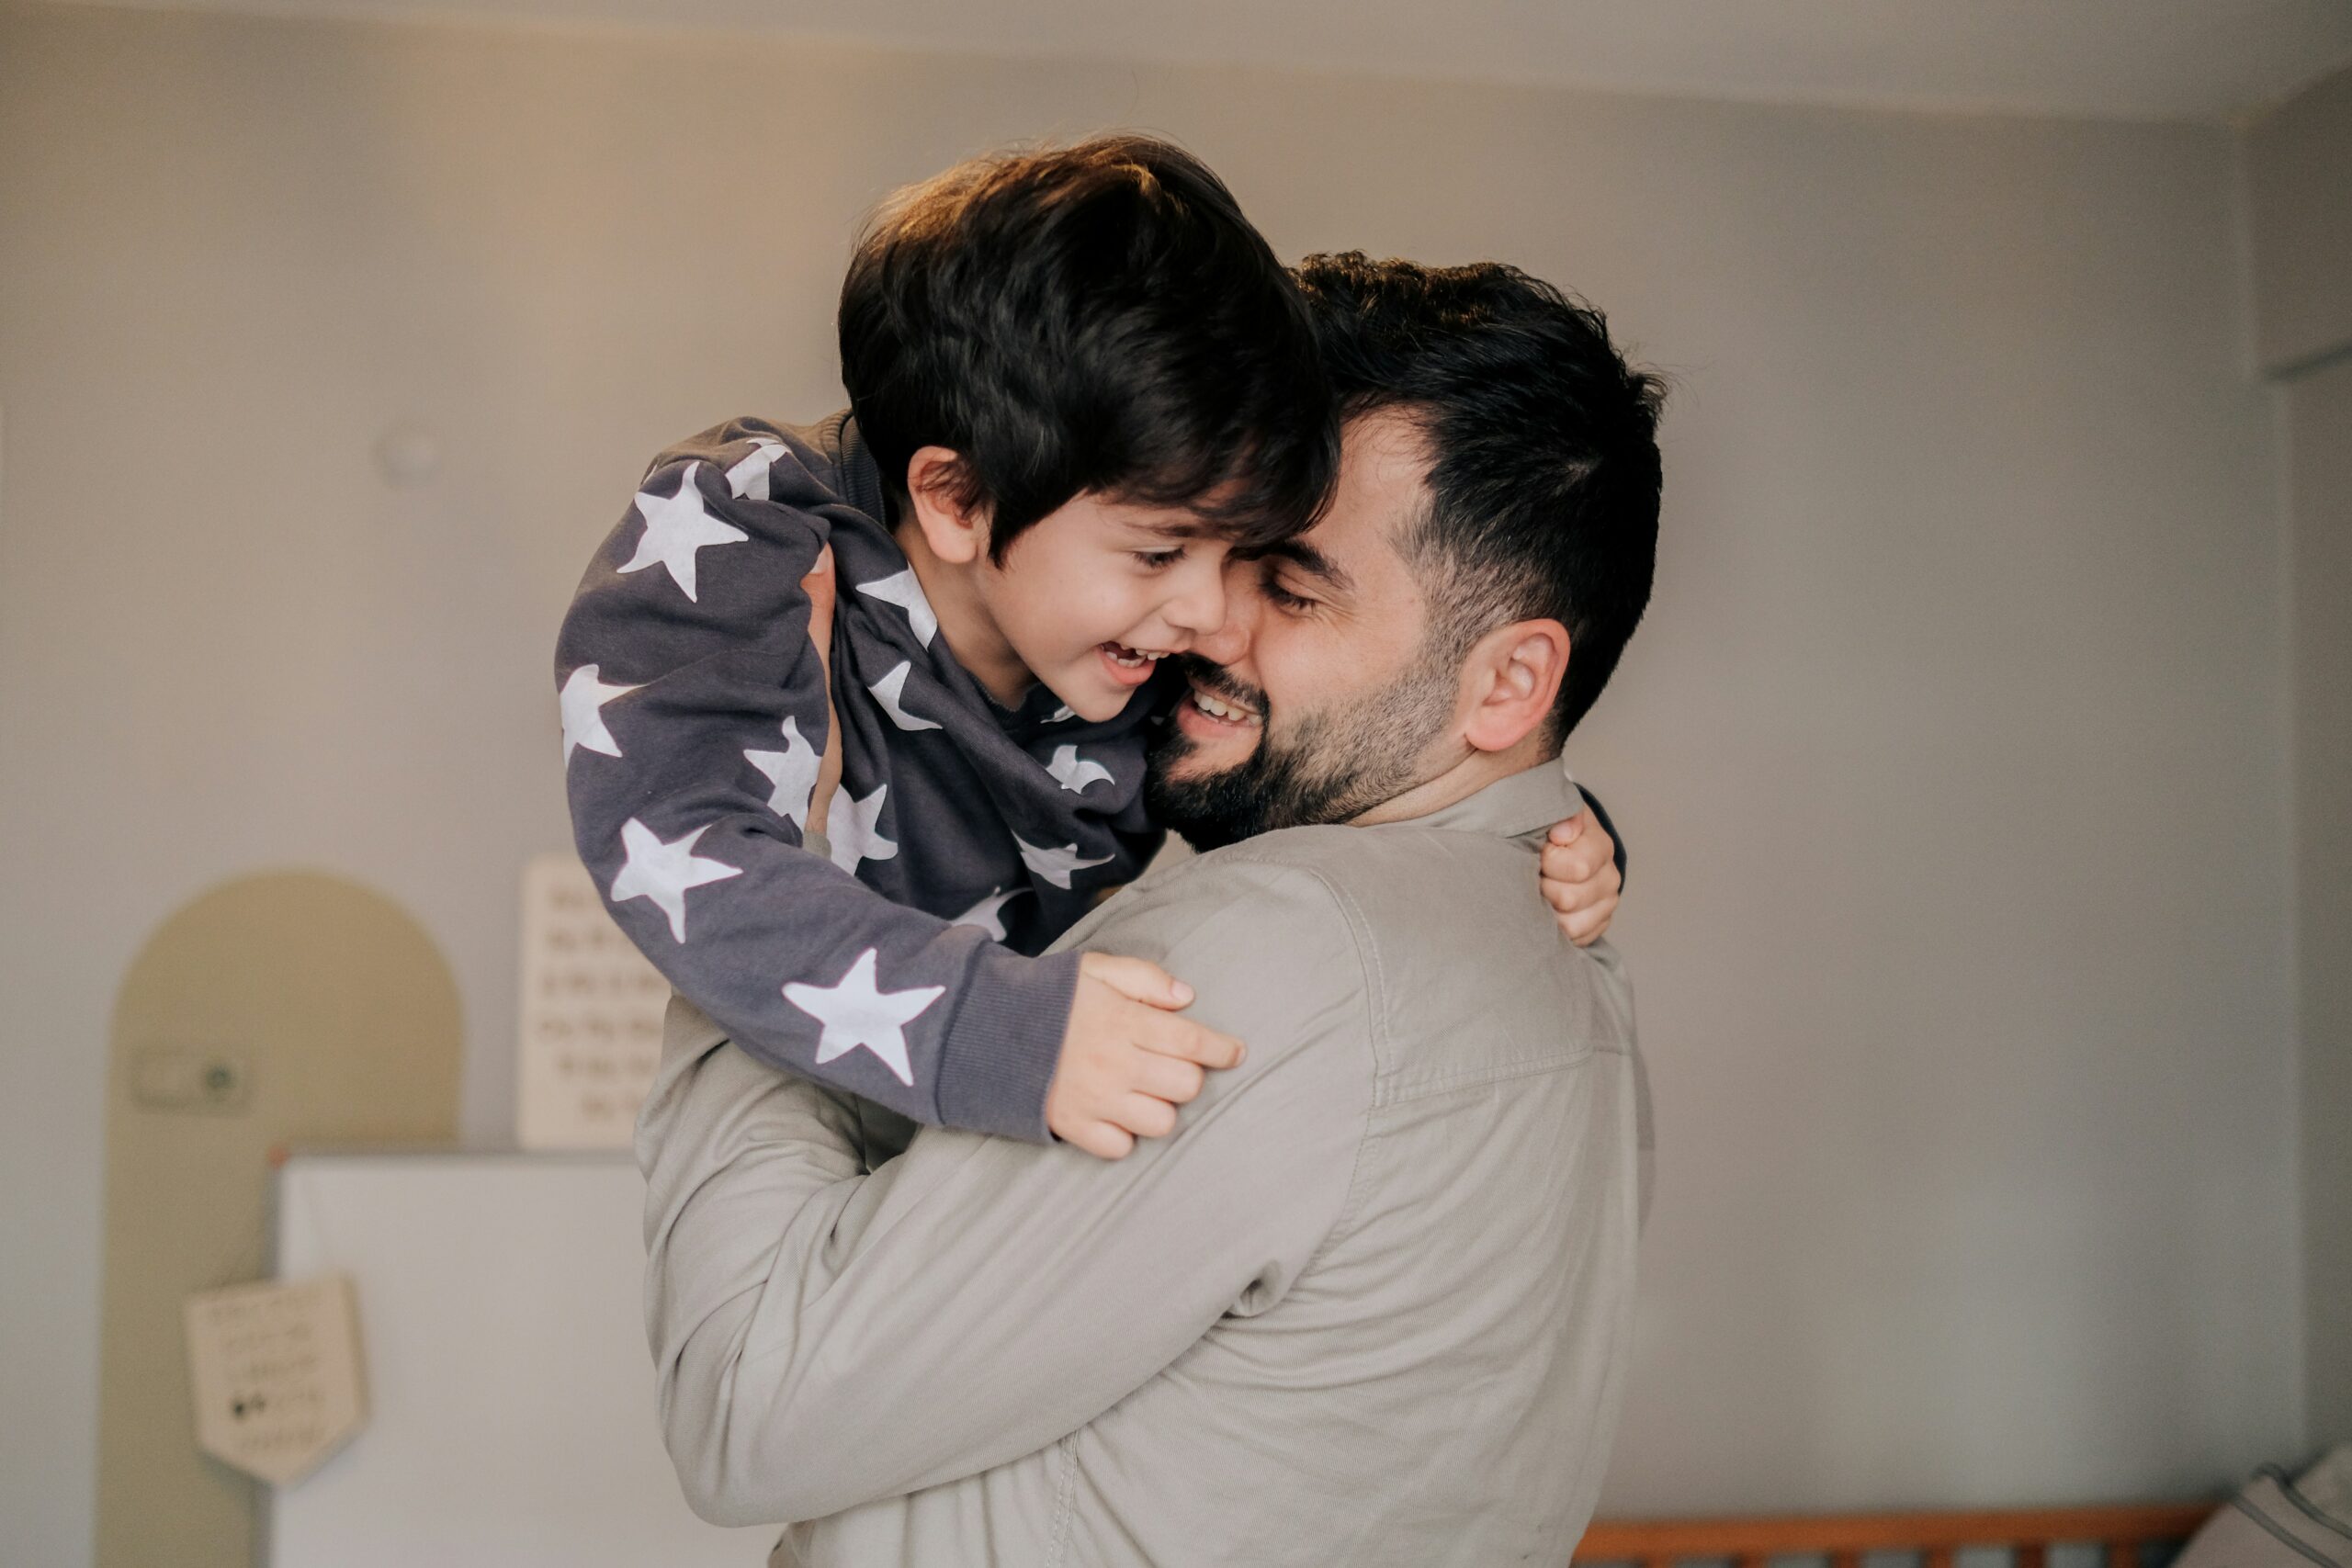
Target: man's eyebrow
x=1312, y=561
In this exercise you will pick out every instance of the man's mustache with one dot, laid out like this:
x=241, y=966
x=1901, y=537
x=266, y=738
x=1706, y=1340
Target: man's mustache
x=1219, y=681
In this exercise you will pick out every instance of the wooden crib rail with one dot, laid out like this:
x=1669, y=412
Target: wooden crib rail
x=1843, y=1538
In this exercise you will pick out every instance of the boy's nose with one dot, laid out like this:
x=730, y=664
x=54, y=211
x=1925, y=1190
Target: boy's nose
x=1201, y=609
x=1229, y=641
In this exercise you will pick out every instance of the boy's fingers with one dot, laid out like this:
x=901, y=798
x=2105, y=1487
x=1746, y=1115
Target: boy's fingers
x=1138, y=979
x=1101, y=1139
x=1190, y=1043
x=1585, y=926
x=1569, y=831
x=1166, y=1077
x=1146, y=1117
x=1576, y=863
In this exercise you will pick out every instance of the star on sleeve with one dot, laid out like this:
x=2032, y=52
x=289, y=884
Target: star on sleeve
x=664, y=873
x=1055, y=864
x=582, y=700
x=792, y=772
x=857, y=1014
x=749, y=478
x=901, y=589
x=675, y=527
x=890, y=691
x=1073, y=772
x=853, y=828
x=988, y=914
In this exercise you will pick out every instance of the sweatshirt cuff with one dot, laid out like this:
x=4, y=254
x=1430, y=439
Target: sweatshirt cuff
x=998, y=1058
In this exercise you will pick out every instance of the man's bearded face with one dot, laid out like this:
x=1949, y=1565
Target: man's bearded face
x=1324, y=763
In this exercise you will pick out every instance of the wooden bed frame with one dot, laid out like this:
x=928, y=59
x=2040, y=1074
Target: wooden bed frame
x=1843, y=1539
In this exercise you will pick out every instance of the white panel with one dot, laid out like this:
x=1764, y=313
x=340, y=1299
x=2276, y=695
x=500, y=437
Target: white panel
x=511, y=1421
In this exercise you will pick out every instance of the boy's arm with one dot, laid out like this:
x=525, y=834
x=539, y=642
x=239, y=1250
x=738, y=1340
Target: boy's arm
x=695, y=719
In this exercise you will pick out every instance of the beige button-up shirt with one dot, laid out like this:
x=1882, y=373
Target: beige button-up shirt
x=1368, y=1304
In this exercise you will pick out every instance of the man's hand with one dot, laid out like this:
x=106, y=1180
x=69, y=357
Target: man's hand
x=1579, y=878
x=1127, y=1062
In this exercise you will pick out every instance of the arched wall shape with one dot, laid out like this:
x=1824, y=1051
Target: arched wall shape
x=287, y=1008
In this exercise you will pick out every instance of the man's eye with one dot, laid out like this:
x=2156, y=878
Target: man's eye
x=1283, y=599
x=1158, y=560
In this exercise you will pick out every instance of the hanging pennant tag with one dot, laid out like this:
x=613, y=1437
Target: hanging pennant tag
x=276, y=1372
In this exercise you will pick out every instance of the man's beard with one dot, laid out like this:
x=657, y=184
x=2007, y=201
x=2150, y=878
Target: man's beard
x=1339, y=763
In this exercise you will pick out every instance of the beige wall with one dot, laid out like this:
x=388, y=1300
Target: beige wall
x=2299, y=166
x=1952, y=755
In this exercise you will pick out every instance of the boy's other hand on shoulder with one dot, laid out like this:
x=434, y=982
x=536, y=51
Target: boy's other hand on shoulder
x=1127, y=1061
x=1579, y=878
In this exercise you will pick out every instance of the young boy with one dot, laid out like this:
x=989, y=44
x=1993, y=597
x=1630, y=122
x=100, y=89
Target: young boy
x=1078, y=380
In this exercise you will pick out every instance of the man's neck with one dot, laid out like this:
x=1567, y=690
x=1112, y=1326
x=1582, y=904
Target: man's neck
x=971, y=632
x=1466, y=778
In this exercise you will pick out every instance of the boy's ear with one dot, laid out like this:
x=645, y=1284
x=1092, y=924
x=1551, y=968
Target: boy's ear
x=937, y=483
x=1510, y=680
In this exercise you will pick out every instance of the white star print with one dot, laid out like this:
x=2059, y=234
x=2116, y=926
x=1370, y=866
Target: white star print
x=675, y=527
x=856, y=1013
x=748, y=477
x=984, y=914
x=583, y=724
x=1054, y=865
x=1061, y=715
x=1073, y=772
x=793, y=772
x=889, y=691
x=665, y=872
x=850, y=825
x=902, y=590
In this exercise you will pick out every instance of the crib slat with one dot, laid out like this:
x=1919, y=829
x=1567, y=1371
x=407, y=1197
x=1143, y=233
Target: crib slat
x=2028, y=1554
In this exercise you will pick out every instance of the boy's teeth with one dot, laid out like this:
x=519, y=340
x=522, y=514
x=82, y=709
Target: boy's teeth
x=1126, y=655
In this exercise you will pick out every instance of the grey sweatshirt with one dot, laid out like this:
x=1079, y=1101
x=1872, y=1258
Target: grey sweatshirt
x=965, y=836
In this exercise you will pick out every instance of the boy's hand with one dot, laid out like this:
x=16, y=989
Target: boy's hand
x=1127, y=1062
x=818, y=586
x=1579, y=877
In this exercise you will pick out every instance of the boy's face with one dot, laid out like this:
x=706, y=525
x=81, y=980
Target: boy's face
x=1094, y=594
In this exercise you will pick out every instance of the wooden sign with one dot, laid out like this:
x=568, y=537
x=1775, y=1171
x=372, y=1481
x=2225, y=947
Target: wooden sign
x=276, y=1372
x=591, y=1015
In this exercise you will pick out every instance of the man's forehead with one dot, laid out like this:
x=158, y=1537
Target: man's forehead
x=1383, y=491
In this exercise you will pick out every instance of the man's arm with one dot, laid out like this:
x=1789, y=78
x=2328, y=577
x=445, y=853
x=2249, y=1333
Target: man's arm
x=824, y=1337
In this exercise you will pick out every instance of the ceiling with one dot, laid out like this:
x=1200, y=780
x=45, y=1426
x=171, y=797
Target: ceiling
x=2205, y=60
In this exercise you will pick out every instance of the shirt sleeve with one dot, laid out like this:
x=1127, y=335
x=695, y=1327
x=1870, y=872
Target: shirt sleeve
x=694, y=717
x=824, y=1336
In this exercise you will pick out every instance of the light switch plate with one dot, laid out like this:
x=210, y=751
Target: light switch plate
x=172, y=1079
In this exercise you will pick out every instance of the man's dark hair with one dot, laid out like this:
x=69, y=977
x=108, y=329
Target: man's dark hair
x=1099, y=317
x=1544, y=471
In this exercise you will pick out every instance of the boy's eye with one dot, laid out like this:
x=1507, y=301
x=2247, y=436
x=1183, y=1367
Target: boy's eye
x=1156, y=560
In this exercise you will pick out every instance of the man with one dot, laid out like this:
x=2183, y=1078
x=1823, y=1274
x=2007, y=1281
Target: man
x=1369, y=1303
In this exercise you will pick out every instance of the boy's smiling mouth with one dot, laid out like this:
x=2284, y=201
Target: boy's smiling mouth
x=1128, y=666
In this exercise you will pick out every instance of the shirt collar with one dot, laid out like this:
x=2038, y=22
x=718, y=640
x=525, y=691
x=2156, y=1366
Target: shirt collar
x=1525, y=803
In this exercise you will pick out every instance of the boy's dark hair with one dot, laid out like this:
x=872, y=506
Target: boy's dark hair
x=1099, y=317
x=1544, y=473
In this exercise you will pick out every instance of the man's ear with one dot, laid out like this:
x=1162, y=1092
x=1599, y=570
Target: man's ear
x=1512, y=679
x=936, y=481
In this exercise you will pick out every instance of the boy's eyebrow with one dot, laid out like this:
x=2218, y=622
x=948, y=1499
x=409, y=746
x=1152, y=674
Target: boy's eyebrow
x=1312, y=561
